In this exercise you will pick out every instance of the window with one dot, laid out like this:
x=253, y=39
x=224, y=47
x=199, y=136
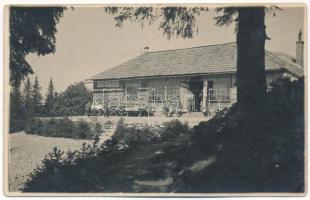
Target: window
x=131, y=88
x=218, y=94
x=106, y=84
x=144, y=83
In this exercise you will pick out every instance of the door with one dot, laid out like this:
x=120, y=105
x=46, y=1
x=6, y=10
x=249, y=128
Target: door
x=196, y=87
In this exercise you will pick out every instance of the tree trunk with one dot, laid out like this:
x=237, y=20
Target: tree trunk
x=251, y=80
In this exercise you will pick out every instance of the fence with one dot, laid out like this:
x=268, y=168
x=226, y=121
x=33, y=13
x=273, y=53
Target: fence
x=143, y=98
x=160, y=98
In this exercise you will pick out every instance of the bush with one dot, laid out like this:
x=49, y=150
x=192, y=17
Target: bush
x=63, y=127
x=286, y=99
x=98, y=127
x=34, y=125
x=72, y=101
x=83, y=129
x=73, y=171
x=250, y=153
x=173, y=129
x=254, y=153
x=144, y=134
x=136, y=135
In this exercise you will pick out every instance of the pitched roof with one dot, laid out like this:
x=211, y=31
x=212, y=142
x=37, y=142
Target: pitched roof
x=221, y=58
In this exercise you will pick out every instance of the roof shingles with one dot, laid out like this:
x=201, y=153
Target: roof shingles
x=221, y=58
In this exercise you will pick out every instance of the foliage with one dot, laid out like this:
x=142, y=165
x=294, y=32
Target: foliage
x=73, y=100
x=75, y=171
x=32, y=30
x=144, y=134
x=251, y=35
x=36, y=98
x=174, y=21
x=17, y=121
x=135, y=135
x=83, y=129
x=283, y=95
x=228, y=15
x=246, y=154
x=24, y=107
x=27, y=97
x=254, y=153
x=173, y=129
x=49, y=100
x=63, y=127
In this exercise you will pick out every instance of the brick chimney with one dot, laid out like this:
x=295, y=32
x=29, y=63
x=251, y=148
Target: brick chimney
x=300, y=50
x=146, y=49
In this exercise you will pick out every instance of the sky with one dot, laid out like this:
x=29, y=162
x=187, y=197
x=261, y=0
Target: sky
x=87, y=42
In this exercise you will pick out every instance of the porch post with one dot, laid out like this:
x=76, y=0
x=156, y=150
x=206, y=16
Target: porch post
x=204, y=96
x=103, y=98
x=185, y=100
x=183, y=97
x=126, y=98
x=165, y=93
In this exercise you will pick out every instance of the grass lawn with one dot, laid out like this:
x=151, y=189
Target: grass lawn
x=26, y=152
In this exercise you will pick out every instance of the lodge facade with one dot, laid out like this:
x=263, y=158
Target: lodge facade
x=198, y=79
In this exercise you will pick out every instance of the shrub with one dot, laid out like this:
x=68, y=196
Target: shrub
x=254, y=153
x=98, y=127
x=63, y=127
x=286, y=98
x=34, y=125
x=173, y=129
x=250, y=153
x=75, y=171
x=83, y=129
x=136, y=135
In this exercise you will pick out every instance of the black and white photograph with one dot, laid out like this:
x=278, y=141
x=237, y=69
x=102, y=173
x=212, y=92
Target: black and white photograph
x=155, y=100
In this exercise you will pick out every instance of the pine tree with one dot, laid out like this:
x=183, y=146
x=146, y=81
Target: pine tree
x=37, y=36
x=27, y=106
x=16, y=111
x=36, y=98
x=50, y=100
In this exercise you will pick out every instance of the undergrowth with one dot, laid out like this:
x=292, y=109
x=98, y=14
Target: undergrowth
x=63, y=127
x=249, y=153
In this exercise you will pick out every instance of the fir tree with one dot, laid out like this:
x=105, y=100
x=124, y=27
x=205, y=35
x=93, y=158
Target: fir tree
x=36, y=98
x=27, y=98
x=37, y=36
x=16, y=111
x=50, y=100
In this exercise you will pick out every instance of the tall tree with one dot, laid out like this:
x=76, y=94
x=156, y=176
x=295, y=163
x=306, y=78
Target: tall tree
x=251, y=36
x=251, y=79
x=32, y=30
x=50, y=99
x=16, y=111
x=36, y=98
x=27, y=98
